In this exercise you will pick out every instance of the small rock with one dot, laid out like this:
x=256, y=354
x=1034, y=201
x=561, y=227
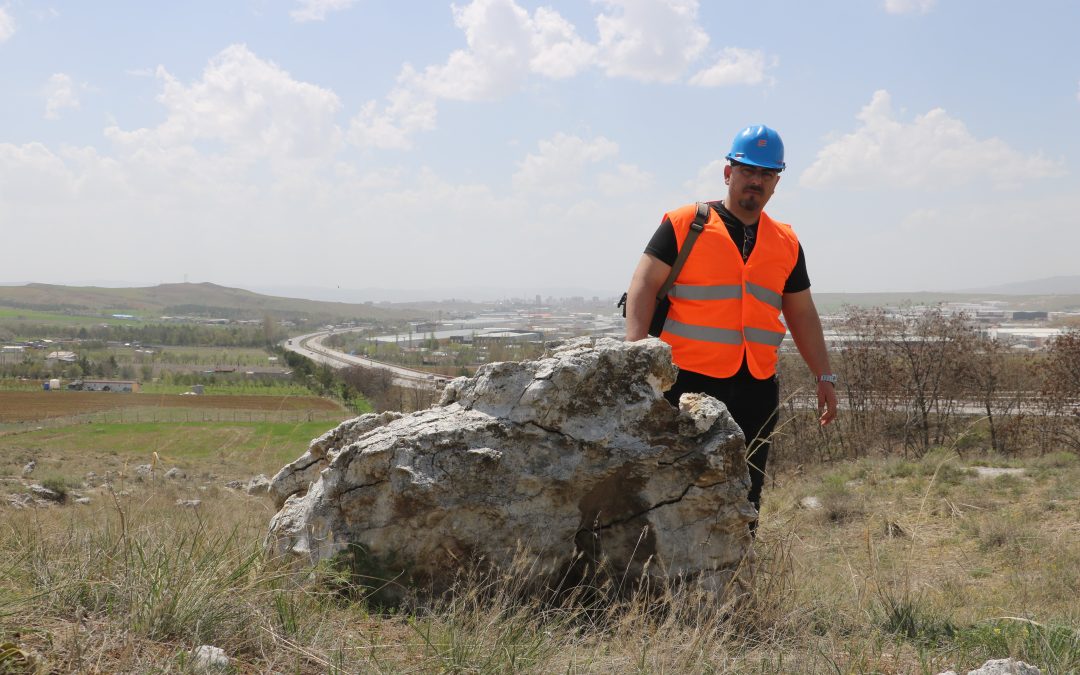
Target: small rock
x=175, y=474
x=234, y=484
x=207, y=657
x=1000, y=667
x=82, y=500
x=994, y=472
x=42, y=492
x=144, y=470
x=810, y=503
x=1005, y=667
x=20, y=501
x=188, y=503
x=29, y=468
x=258, y=484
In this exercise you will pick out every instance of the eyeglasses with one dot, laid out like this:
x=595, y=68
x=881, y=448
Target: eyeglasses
x=766, y=175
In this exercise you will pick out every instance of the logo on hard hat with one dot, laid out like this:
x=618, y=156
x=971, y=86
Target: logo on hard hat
x=762, y=143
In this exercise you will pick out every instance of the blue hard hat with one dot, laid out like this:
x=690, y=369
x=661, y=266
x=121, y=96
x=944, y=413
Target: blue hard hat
x=758, y=146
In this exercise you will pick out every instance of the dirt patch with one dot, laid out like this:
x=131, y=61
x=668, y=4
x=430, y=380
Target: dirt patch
x=994, y=472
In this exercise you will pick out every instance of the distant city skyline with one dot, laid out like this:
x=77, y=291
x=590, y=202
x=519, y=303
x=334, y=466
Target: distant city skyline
x=504, y=144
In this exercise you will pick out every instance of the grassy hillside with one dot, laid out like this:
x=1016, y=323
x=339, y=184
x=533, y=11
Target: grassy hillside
x=899, y=567
x=204, y=299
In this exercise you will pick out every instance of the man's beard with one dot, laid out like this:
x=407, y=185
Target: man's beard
x=751, y=201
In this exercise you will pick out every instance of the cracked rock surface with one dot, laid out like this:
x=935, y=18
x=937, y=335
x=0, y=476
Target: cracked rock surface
x=575, y=457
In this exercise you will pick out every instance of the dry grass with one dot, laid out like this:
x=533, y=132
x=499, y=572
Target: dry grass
x=908, y=567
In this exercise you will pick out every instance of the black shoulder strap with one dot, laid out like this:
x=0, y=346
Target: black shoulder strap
x=696, y=228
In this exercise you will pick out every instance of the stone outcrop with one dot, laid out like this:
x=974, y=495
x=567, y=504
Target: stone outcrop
x=1001, y=667
x=575, y=458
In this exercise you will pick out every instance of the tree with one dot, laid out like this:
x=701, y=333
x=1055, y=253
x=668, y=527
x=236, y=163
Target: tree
x=1060, y=391
x=996, y=381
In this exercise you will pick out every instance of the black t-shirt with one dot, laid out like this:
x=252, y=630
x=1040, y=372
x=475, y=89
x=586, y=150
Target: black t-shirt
x=664, y=247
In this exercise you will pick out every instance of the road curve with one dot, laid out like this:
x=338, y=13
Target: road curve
x=311, y=346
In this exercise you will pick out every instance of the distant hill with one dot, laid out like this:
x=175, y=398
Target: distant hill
x=1048, y=302
x=1053, y=294
x=1069, y=285
x=202, y=299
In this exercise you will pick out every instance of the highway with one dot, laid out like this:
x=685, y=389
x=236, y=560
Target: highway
x=311, y=346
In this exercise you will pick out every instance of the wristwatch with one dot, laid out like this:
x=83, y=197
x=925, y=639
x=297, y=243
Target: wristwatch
x=830, y=378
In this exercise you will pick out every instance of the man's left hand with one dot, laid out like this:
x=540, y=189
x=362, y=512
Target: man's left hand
x=826, y=403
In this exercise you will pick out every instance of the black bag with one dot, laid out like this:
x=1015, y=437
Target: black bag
x=663, y=303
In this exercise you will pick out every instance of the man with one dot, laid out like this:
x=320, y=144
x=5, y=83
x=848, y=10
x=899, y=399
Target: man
x=724, y=328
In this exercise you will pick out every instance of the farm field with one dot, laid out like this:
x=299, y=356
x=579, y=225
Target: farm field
x=16, y=316
x=230, y=449
x=32, y=406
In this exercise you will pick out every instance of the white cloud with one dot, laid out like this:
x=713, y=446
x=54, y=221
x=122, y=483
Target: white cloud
x=316, y=10
x=650, y=40
x=559, y=168
x=558, y=50
x=934, y=150
x=709, y=182
x=7, y=25
x=406, y=112
x=909, y=6
x=59, y=94
x=246, y=104
x=626, y=179
x=646, y=40
x=504, y=46
x=735, y=66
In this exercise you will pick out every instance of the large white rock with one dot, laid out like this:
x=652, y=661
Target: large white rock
x=576, y=458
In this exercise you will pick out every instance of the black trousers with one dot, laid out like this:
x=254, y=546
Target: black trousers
x=752, y=402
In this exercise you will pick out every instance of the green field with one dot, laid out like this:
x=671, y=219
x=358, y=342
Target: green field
x=242, y=388
x=268, y=388
x=237, y=449
x=9, y=315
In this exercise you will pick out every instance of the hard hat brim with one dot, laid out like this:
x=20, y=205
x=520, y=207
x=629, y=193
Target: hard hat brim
x=739, y=158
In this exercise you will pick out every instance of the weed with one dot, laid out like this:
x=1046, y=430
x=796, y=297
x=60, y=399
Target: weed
x=1057, y=460
x=1054, y=648
x=59, y=485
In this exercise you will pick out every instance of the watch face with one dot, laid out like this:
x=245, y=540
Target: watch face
x=831, y=379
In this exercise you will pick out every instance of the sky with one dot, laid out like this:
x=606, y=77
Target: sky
x=507, y=146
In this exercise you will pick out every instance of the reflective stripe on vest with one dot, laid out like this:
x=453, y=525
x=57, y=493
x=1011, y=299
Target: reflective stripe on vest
x=762, y=336
x=724, y=292
x=724, y=336
x=769, y=297
x=727, y=292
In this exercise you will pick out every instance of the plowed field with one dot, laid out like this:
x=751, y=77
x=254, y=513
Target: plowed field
x=28, y=406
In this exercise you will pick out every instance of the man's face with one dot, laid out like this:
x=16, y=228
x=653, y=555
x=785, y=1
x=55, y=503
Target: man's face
x=750, y=187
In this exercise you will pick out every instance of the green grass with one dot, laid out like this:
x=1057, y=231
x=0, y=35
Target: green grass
x=68, y=452
x=255, y=388
x=16, y=316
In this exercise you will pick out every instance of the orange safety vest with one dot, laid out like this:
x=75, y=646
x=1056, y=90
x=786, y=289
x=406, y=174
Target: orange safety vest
x=723, y=309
